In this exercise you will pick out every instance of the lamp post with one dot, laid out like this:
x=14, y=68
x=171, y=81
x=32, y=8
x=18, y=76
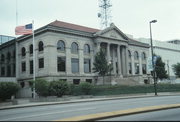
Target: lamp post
x=153, y=21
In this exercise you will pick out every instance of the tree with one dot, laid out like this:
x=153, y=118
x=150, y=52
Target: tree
x=160, y=69
x=176, y=69
x=101, y=65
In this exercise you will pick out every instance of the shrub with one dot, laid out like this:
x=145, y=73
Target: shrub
x=42, y=87
x=7, y=89
x=85, y=87
x=59, y=88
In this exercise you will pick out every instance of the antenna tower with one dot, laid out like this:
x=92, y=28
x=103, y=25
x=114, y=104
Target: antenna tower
x=104, y=13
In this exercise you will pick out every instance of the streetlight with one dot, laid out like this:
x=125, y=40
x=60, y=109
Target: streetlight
x=153, y=21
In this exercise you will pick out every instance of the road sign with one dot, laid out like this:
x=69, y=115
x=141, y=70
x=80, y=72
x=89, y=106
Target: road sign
x=149, y=65
x=155, y=59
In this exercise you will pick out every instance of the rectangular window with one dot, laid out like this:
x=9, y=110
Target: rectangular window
x=41, y=63
x=87, y=65
x=144, y=68
x=9, y=70
x=76, y=81
x=14, y=69
x=130, y=68
x=2, y=71
x=23, y=66
x=89, y=80
x=31, y=67
x=75, y=65
x=61, y=64
x=136, y=68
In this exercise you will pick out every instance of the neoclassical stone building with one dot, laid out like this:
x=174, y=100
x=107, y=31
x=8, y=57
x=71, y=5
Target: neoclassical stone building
x=66, y=51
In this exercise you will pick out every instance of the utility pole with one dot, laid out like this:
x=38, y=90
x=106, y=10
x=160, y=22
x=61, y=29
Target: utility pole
x=104, y=13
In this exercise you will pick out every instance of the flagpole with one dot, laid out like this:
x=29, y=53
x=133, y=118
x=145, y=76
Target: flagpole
x=34, y=62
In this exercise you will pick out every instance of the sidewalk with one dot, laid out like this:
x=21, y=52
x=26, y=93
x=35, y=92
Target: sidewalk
x=79, y=99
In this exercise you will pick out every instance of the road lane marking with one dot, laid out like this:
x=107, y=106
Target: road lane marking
x=23, y=117
x=98, y=116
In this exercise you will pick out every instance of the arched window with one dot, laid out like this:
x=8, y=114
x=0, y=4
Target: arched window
x=31, y=49
x=23, y=51
x=129, y=54
x=2, y=58
x=86, y=49
x=74, y=47
x=143, y=56
x=61, y=45
x=8, y=56
x=136, y=56
x=41, y=46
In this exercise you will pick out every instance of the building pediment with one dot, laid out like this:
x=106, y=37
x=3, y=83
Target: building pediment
x=111, y=32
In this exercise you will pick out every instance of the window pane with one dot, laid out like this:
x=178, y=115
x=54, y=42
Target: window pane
x=87, y=65
x=74, y=48
x=136, y=55
x=60, y=46
x=130, y=68
x=143, y=56
x=61, y=63
x=41, y=63
x=136, y=68
x=89, y=80
x=86, y=49
x=76, y=81
x=23, y=65
x=31, y=67
x=2, y=71
x=75, y=65
x=144, y=68
x=9, y=56
x=2, y=58
x=23, y=51
x=31, y=49
x=8, y=70
x=41, y=48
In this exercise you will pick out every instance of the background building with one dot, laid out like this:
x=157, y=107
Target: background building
x=4, y=38
x=169, y=52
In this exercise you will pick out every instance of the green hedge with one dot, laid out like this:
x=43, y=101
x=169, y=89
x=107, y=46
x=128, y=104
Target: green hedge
x=120, y=89
x=7, y=89
x=59, y=88
x=42, y=87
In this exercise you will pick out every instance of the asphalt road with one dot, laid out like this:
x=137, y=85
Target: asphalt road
x=163, y=115
x=61, y=111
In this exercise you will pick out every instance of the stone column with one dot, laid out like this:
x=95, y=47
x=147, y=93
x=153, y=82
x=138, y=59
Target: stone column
x=119, y=60
x=123, y=61
x=126, y=58
x=132, y=62
x=68, y=61
x=92, y=54
x=81, y=61
x=108, y=52
x=17, y=61
x=140, y=63
x=98, y=46
x=114, y=63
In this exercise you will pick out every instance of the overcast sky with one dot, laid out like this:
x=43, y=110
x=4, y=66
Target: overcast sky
x=130, y=16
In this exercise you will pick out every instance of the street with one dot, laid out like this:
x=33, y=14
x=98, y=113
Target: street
x=61, y=111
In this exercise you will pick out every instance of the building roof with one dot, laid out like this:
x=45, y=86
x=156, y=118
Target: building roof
x=73, y=26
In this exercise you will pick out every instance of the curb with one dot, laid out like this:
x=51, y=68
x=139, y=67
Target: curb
x=99, y=116
x=84, y=100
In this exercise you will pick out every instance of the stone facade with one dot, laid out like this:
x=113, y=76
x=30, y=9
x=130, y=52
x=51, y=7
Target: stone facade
x=66, y=51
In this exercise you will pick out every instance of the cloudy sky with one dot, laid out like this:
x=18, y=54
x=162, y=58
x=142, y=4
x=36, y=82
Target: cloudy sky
x=130, y=16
